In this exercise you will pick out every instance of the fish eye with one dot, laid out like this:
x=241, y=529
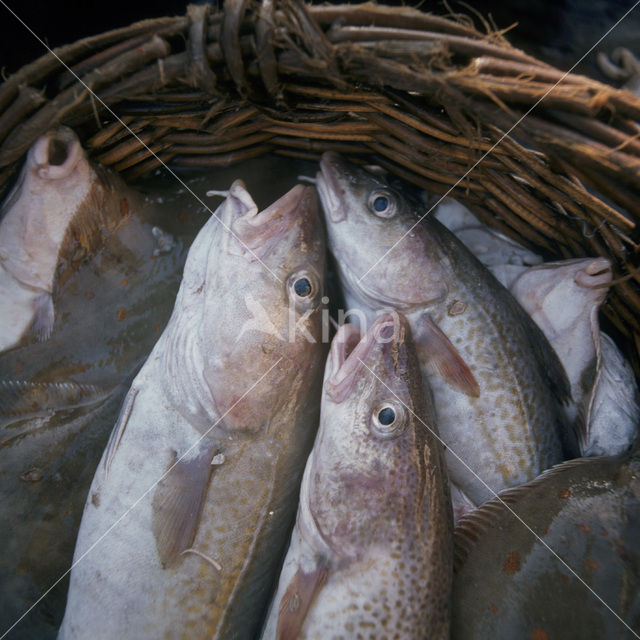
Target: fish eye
x=388, y=420
x=382, y=204
x=303, y=288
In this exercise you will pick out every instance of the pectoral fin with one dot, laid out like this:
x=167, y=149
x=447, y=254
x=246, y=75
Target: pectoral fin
x=444, y=358
x=298, y=598
x=178, y=501
x=118, y=429
x=44, y=317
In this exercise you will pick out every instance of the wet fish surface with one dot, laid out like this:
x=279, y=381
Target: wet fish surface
x=509, y=585
x=204, y=463
x=370, y=555
x=59, y=212
x=59, y=399
x=563, y=299
x=498, y=385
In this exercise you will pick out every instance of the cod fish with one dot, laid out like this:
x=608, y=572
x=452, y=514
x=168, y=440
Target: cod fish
x=57, y=214
x=370, y=555
x=508, y=584
x=563, y=298
x=498, y=385
x=192, y=504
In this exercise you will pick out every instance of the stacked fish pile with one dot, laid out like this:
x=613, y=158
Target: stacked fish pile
x=441, y=393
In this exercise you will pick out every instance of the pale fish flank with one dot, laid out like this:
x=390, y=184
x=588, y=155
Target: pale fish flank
x=498, y=385
x=370, y=555
x=201, y=475
x=56, y=215
x=563, y=299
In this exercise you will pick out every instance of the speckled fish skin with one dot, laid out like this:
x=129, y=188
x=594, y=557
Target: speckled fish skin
x=508, y=585
x=57, y=214
x=508, y=428
x=236, y=491
x=370, y=554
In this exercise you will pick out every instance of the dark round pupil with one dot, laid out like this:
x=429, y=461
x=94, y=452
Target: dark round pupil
x=386, y=416
x=302, y=287
x=381, y=203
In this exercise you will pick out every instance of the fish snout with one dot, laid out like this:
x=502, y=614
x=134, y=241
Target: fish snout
x=596, y=274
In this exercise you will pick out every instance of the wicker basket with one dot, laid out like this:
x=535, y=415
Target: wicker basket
x=439, y=102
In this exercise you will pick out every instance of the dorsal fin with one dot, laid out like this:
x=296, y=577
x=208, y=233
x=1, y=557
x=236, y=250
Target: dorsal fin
x=21, y=398
x=473, y=525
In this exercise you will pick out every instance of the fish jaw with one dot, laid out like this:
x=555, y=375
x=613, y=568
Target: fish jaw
x=239, y=314
x=330, y=189
x=563, y=299
x=377, y=254
x=255, y=232
x=55, y=155
x=545, y=290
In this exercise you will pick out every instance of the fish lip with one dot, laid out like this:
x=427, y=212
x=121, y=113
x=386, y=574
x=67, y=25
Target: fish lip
x=343, y=343
x=42, y=154
x=329, y=189
x=256, y=228
x=598, y=272
x=344, y=372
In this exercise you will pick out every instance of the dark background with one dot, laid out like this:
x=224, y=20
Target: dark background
x=558, y=32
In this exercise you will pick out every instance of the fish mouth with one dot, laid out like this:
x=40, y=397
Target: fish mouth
x=348, y=356
x=57, y=153
x=255, y=229
x=328, y=185
x=596, y=274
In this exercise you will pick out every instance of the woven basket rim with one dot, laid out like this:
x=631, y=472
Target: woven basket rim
x=430, y=97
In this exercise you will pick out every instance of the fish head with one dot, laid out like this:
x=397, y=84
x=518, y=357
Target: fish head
x=54, y=182
x=385, y=254
x=263, y=304
x=560, y=294
x=370, y=476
